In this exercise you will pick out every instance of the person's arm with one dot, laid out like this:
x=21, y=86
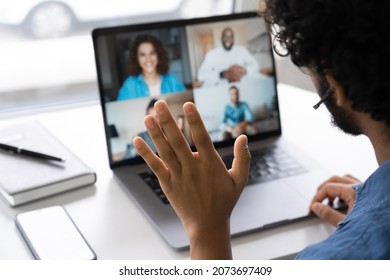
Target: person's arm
x=248, y=113
x=210, y=70
x=239, y=128
x=248, y=119
x=334, y=187
x=197, y=184
x=123, y=92
x=225, y=115
x=251, y=64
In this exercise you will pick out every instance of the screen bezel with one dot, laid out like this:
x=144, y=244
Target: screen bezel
x=166, y=24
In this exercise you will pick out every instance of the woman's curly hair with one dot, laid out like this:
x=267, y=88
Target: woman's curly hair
x=348, y=38
x=163, y=58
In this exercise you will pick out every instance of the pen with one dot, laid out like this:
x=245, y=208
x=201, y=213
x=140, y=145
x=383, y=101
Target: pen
x=20, y=150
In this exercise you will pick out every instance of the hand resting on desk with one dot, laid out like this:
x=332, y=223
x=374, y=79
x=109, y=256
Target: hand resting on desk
x=334, y=187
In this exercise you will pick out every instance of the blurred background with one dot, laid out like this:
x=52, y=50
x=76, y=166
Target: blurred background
x=46, y=49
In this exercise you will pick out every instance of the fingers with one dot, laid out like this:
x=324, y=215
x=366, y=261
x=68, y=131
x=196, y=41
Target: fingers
x=172, y=139
x=200, y=136
x=170, y=142
x=353, y=179
x=241, y=161
x=327, y=213
x=163, y=148
x=333, y=190
x=153, y=161
x=347, y=179
x=237, y=131
x=336, y=186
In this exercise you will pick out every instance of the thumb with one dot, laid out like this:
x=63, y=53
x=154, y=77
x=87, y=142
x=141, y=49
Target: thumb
x=242, y=159
x=327, y=213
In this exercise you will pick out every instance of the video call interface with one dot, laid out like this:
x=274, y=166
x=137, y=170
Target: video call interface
x=225, y=68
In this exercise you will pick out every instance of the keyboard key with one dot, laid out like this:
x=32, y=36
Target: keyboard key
x=153, y=183
x=268, y=164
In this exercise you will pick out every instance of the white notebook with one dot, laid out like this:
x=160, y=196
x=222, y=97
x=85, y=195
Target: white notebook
x=25, y=178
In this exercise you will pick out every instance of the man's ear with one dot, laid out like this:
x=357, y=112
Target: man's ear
x=339, y=92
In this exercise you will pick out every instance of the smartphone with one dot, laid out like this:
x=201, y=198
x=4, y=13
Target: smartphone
x=51, y=234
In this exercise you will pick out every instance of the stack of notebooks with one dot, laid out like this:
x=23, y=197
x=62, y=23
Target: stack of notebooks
x=25, y=178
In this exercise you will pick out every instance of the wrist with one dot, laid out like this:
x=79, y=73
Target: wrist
x=210, y=242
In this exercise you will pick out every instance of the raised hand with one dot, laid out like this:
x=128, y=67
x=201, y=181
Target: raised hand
x=198, y=185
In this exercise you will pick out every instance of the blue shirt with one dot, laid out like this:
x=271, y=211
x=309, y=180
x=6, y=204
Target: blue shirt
x=136, y=87
x=130, y=149
x=365, y=231
x=234, y=114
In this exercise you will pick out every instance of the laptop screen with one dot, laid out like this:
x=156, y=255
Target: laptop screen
x=223, y=64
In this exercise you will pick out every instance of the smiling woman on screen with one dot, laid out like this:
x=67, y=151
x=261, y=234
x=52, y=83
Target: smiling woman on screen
x=149, y=71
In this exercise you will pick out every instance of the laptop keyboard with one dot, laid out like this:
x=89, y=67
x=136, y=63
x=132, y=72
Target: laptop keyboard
x=267, y=164
x=153, y=183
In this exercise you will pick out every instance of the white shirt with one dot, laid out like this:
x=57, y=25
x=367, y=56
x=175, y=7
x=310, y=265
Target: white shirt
x=219, y=59
x=155, y=90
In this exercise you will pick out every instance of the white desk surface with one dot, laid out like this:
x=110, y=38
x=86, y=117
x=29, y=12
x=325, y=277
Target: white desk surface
x=116, y=228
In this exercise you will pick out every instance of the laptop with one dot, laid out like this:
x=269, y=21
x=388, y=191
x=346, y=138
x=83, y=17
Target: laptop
x=282, y=179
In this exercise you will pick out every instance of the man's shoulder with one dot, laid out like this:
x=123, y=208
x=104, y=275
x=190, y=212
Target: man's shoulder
x=228, y=107
x=243, y=103
x=359, y=239
x=215, y=50
x=240, y=48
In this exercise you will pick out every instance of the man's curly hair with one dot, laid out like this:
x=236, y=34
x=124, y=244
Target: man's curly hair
x=347, y=38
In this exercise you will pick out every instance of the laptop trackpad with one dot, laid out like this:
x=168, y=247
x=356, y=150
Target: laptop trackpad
x=265, y=204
